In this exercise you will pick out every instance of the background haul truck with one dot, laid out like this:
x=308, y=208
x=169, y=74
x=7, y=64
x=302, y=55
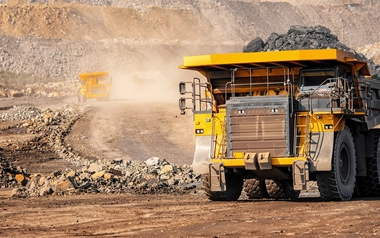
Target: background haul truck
x=94, y=85
x=269, y=122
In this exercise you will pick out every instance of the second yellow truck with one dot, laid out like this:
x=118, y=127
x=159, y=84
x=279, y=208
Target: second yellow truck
x=95, y=85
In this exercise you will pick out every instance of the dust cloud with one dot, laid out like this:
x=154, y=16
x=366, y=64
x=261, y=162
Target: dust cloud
x=153, y=78
x=155, y=87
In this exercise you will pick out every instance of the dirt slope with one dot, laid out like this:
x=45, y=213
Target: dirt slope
x=80, y=22
x=60, y=39
x=200, y=21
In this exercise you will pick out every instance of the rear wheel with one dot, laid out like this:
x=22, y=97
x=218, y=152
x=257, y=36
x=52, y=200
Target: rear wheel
x=234, y=184
x=255, y=188
x=339, y=183
x=370, y=184
x=281, y=189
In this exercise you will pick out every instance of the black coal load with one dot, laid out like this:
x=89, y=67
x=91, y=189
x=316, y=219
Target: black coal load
x=304, y=37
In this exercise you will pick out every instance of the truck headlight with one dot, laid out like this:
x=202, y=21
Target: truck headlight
x=199, y=131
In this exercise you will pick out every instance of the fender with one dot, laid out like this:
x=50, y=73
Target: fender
x=321, y=151
x=202, y=152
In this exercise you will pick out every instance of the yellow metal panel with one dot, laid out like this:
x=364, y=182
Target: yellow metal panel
x=265, y=57
x=287, y=161
x=204, y=122
x=317, y=121
x=316, y=124
x=323, y=54
x=92, y=74
x=238, y=155
x=197, y=60
x=229, y=162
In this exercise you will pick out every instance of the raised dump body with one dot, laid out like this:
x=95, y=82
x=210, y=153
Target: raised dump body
x=94, y=85
x=269, y=122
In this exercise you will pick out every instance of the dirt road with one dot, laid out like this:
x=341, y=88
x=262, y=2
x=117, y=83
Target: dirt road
x=137, y=130
x=185, y=216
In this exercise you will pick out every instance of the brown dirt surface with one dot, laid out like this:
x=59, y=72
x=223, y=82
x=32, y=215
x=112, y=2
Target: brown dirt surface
x=130, y=129
x=185, y=216
x=134, y=130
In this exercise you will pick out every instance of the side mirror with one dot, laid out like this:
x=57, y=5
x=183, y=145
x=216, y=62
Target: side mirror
x=182, y=88
x=182, y=105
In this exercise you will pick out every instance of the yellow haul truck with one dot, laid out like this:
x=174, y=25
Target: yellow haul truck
x=269, y=122
x=94, y=85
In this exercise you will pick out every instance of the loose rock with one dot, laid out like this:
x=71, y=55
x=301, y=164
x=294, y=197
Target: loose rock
x=304, y=37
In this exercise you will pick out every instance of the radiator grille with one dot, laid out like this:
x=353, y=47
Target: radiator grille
x=258, y=130
x=97, y=90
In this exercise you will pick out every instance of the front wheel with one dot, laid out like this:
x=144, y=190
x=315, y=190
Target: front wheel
x=339, y=183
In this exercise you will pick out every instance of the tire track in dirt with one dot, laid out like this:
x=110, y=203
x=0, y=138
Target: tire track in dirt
x=136, y=131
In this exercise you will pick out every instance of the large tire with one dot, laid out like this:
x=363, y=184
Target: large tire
x=281, y=189
x=339, y=183
x=370, y=184
x=255, y=188
x=234, y=185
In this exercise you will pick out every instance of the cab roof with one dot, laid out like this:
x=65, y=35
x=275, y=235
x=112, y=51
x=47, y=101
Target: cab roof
x=92, y=74
x=288, y=58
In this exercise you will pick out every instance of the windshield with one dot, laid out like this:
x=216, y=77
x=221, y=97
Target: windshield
x=315, y=77
x=103, y=80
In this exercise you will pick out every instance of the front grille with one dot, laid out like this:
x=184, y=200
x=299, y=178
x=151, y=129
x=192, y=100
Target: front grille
x=97, y=90
x=257, y=128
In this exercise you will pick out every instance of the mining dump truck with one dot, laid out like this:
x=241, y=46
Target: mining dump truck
x=94, y=85
x=267, y=123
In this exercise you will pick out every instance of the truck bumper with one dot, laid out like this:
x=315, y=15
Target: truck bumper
x=252, y=162
x=263, y=166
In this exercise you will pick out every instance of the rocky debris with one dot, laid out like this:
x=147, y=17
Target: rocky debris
x=38, y=90
x=20, y=113
x=372, y=51
x=304, y=37
x=12, y=176
x=110, y=177
x=49, y=126
x=115, y=177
